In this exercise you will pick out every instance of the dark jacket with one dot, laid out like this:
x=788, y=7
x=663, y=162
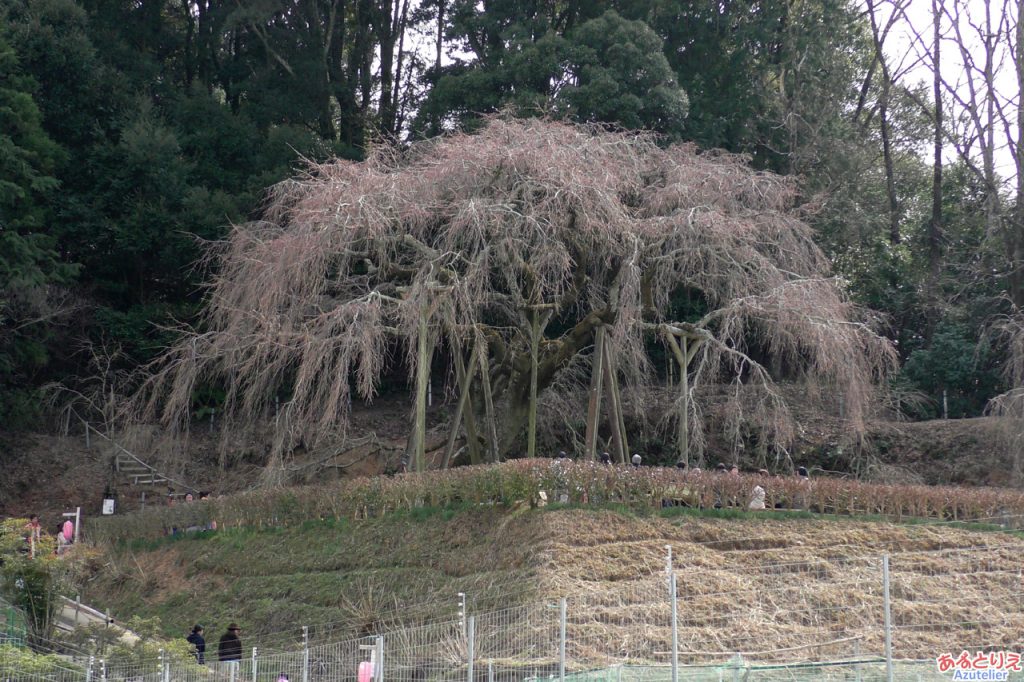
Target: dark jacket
x=199, y=643
x=230, y=647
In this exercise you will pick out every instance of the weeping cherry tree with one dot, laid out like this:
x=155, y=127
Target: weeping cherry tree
x=540, y=257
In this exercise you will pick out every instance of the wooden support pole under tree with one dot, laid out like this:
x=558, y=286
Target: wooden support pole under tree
x=684, y=421
x=614, y=407
x=683, y=356
x=594, y=398
x=422, y=376
x=485, y=379
x=536, y=328
x=613, y=411
x=618, y=404
x=464, y=381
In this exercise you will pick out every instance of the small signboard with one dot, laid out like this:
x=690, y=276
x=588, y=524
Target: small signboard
x=108, y=507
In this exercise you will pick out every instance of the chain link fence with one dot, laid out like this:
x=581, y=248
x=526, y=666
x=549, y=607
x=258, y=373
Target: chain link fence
x=873, y=618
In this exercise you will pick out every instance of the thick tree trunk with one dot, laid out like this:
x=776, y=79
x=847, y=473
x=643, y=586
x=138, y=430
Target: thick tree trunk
x=885, y=127
x=935, y=223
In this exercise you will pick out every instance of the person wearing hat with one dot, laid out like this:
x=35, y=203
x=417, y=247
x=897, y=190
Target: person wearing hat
x=230, y=646
x=195, y=638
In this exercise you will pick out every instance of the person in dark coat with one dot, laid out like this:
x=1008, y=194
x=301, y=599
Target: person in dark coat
x=230, y=646
x=195, y=638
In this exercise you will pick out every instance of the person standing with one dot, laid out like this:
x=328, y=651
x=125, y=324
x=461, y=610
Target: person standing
x=195, y=638
x=757, y=501
x=230, y=646
x=34, y=533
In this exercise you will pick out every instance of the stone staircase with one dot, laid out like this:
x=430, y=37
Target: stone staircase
x=144, y=480
x=136, y=472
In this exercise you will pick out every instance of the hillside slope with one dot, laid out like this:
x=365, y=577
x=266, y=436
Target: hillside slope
x=757, y=584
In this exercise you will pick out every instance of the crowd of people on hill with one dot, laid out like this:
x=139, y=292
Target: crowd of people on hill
x=189, y=498
x=757, y=499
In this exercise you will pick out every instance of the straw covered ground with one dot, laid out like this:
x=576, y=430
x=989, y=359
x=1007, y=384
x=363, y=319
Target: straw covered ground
x=781, y=589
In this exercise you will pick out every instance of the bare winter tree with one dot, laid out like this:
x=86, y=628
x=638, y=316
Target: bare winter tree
x=541, y=257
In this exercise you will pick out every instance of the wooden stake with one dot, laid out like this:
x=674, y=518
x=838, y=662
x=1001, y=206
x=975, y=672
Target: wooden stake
x=485, y=378
x=594, y=401
x=613, y=407
x=683, y=438
x=536, y=328
x=684, y=421
x=618, y=402
x=422, y=377
x=464, y=384
x=683, y=356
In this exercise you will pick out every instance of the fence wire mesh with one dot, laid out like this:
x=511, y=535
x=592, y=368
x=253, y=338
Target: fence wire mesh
x=749, y=619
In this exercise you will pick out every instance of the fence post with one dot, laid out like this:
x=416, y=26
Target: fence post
x=470, y=635
x=254, y=664
x=736, y=667
x=675, y=631
x=561, y=639
x=490, y=670
x=305, y=653
x=161, y=665
x=462, y=611
x=88, y=671
x=378, y=670
x=888, y=618
x=103, y=670
x=167, y=669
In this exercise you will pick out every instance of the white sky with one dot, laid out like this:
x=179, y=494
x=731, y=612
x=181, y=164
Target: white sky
x=902, y=49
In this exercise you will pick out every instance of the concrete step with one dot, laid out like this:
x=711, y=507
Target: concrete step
x=148, y=479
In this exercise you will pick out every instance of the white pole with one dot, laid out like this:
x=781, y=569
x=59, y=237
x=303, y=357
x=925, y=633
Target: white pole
x=888, y=618
x=668, y=565
x=78, y=519
x=378, y=669
x=254, y=664
x=305, y=653
x=561, y=639
x=675, y=631
x=469, y=647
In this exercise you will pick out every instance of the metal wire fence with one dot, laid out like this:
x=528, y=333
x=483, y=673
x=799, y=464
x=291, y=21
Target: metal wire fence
x=867, y=618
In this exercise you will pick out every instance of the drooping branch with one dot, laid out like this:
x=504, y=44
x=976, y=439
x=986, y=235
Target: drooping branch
x=312, y=301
